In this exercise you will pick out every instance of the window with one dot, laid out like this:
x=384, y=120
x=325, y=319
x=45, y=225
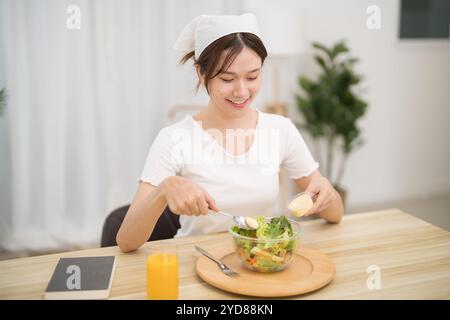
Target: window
x=425, y=19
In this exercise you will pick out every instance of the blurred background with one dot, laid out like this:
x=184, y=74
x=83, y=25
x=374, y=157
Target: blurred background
x=86, y=85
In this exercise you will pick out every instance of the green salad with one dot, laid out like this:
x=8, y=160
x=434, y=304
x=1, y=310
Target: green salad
x=270, y=247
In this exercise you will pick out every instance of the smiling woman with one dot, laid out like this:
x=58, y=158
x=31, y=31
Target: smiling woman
x=228, y=56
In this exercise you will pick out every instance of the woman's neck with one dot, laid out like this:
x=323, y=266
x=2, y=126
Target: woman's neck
x=212, y=117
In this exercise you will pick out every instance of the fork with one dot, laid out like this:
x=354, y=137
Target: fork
x=241, y=221
x=221, y=265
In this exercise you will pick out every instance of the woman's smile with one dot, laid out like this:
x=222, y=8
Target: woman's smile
x=238, y=104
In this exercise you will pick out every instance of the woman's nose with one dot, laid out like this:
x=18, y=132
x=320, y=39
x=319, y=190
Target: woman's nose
x=241, y=89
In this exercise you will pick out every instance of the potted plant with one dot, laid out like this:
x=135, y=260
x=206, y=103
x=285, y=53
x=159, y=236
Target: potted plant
x=331, y=108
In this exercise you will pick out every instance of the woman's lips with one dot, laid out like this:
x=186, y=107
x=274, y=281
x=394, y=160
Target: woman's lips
x=240, y=105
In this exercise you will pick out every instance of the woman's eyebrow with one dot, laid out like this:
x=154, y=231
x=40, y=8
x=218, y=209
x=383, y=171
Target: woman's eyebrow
x=232, y=73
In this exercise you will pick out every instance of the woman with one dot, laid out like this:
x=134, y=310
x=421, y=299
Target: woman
x=195, y=167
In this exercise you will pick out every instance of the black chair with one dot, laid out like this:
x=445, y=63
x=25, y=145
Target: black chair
x=165, y=228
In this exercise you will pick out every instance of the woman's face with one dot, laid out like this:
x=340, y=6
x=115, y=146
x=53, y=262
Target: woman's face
x=233, y=90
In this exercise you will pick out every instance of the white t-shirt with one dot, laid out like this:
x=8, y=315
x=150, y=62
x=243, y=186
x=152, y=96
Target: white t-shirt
x=246, y=184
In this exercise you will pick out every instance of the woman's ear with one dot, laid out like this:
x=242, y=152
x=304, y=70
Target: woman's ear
x=197, y=68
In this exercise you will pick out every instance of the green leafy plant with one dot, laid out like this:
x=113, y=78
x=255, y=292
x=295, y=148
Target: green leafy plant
x=3, y=96
x=330, y=107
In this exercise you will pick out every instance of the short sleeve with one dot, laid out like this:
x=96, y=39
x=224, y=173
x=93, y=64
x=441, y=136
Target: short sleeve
x=297, y=159
x=161, y=162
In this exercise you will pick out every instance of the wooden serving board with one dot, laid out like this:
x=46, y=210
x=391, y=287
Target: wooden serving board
x=310, y=270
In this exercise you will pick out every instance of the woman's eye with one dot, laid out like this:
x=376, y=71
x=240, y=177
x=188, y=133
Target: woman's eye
x=229, y=80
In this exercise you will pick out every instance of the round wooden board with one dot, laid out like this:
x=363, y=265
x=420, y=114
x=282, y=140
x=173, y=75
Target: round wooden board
x=310, y=270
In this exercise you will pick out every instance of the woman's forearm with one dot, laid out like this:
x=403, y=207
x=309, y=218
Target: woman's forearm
x=140, y=220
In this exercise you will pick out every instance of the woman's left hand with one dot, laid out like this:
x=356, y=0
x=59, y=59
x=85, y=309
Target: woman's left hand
x=322, y=193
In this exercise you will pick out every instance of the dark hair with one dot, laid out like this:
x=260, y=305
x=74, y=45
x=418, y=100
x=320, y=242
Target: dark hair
x=210, y=57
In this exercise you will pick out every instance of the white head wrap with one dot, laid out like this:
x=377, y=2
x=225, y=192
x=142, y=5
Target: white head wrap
x=205, y=29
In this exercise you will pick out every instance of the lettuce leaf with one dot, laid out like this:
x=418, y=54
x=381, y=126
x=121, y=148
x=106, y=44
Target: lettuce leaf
x=277, y=228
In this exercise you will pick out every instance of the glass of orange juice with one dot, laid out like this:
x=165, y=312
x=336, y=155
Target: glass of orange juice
x=162, y=273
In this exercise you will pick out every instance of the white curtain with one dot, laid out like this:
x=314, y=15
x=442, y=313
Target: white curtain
x=83, y=109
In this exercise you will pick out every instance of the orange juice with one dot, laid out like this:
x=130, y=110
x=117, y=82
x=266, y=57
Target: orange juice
x=162, y=276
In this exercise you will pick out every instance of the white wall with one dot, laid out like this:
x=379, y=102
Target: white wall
x=406, y=128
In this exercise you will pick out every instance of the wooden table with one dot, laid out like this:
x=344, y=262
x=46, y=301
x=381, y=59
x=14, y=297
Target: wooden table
x=413, y=257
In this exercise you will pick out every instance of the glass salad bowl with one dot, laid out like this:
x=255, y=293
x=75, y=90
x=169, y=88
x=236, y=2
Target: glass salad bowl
x=269, y=248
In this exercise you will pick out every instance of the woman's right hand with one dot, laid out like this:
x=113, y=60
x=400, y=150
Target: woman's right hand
x=186, y=197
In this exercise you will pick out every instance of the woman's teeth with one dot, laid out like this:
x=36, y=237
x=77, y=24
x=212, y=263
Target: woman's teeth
x=238, y=102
